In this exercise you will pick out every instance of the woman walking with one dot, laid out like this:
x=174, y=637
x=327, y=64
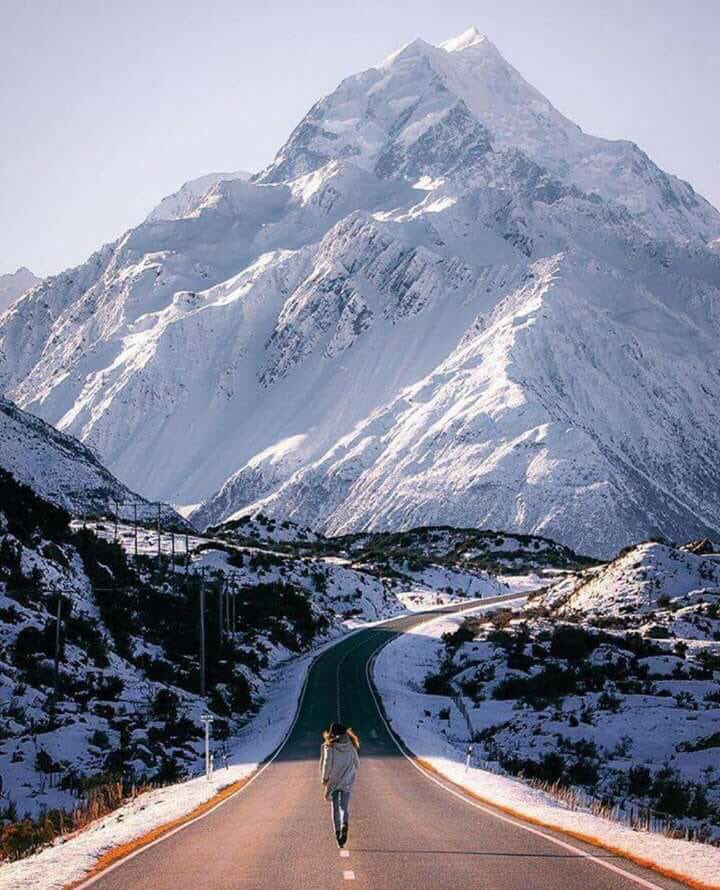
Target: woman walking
x=339, y=764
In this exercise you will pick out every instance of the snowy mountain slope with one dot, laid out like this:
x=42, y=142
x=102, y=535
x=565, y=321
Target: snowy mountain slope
x=441, y=303
x=188, y=198
x=127, y=708
x=64, y=471
x=14, y=285
x=619, y=704
x=639, y=582
x=572, y=449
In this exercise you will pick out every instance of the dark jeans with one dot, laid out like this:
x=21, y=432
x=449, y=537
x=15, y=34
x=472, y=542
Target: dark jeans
x=340, y=801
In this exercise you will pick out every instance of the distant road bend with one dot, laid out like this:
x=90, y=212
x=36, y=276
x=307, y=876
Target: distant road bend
x=408, y=830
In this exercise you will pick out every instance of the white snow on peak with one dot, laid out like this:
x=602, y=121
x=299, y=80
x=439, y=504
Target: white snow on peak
x=423, y=95
x=14, y=285
x=471, y=37
x=187, y=199
x=417, y=46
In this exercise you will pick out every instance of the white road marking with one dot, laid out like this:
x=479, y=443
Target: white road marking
x=349, y=875
x=345, y=854
x=478, y=806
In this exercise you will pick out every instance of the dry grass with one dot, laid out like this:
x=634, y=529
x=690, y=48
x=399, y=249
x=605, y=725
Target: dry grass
x=123, y=850
x=23, y=837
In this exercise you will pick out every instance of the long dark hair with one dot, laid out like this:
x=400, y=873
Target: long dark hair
x=337, y=731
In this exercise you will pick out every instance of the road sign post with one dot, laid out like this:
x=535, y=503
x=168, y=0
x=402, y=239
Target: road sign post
x=207, y=720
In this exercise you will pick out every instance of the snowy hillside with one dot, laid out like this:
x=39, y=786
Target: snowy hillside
x=65, y=472
x=261, y=529
x=609, y=682
x=442, y=303
x=496, y=551
x=127, y=708
x=639, y=581
x=14, y=284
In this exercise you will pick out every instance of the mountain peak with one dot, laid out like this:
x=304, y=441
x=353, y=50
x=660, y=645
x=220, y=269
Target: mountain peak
x=416, y=47
x=14, y=284
x=187, y=198
x=471, y=37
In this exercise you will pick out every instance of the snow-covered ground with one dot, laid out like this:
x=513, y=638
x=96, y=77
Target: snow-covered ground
x=434, y=729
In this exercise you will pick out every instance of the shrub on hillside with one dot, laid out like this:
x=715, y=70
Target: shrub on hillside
x=572, y=642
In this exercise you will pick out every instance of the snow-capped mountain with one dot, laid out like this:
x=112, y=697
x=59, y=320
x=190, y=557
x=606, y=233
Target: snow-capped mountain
x=65, y=472
x=442, y=303
x=14, y=285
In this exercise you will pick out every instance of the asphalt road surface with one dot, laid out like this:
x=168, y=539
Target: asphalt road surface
x=406, y=830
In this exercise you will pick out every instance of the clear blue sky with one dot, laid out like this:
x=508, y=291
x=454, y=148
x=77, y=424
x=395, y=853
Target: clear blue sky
x=108, y=105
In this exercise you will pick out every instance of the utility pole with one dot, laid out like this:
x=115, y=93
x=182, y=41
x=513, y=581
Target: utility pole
x=172, y=549
x=58, y=619
x=159, y=546
x=136, y=529
x=207, y=720
x=202, y=634
x=117, y=508
x=221, y=589
x=233, y=625
x=228, y=597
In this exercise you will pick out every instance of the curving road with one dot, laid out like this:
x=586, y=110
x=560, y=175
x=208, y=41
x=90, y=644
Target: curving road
x=407, y=830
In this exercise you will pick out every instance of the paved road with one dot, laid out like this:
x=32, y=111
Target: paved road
x=406, y=831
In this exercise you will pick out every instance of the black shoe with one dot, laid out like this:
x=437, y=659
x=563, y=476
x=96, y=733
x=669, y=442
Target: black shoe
x=339, y=839
x=343, y=835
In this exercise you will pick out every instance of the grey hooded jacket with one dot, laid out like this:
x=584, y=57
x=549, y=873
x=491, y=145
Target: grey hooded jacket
x=338, y=765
